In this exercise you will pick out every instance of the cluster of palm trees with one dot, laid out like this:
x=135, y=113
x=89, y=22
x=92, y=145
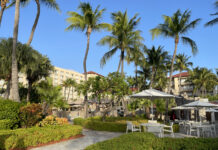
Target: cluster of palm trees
x=124, y=36
x=69, y=87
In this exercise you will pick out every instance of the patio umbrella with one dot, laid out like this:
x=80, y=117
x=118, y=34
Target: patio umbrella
x=152, y=94
x=199, y=104
x=182, y=108
x=212, y=111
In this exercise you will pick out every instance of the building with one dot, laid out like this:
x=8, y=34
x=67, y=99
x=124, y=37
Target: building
x=186, y=88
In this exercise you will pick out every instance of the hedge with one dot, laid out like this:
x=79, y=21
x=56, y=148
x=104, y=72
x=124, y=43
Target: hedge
x=6, y=124
x=23, y=138
x=110, y=124
x=147, y=141
x=10, y=110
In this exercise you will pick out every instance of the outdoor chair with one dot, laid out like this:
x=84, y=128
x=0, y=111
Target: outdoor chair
x=190, y=129
x=132, y=127
x=207, y=131
x=169, y=129
x=213, y=127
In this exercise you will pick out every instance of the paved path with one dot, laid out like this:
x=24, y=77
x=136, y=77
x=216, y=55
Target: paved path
x=90, y=138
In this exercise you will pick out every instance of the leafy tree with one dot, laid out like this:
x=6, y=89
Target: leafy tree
x=182, y=63
x=123, y=37
x=215, y=20
x=70, y=84
x=176, y=26
x=89, y=20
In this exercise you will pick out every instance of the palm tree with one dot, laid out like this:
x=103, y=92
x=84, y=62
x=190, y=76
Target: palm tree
x=215, y=20
x=65, y=85
x=175, y=27
x=156, y=58
x=88, y=20
x=203, y=80
x=182, y=63
x=14, y=95
x=36, y=68
x=72, y=85
x=144, y=73
x=124, y=37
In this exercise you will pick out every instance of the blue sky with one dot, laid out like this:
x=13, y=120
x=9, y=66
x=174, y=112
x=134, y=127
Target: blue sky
x=67, y=49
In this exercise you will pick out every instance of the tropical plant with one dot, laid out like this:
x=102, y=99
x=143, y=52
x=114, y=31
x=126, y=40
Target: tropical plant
x=14, y=95
x=3, y=4
x=215, y=20
x=70, y=84
x=177, y=26
x=203, y=79
x=36, y=67
x=123, y=37
x=50, y=95
x=182, y=63
x=144, y=73
x=89, y=20
x=156, y=58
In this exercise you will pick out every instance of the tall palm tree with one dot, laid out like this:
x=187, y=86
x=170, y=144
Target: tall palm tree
x=182, y=63
x=215, y=20
x=89, y=20
x=14, y=95
x=124, y=37
x=156, y=58
x=49, y=3
x=176, y=27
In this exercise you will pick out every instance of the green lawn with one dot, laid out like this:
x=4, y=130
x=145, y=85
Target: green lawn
x=147, y=141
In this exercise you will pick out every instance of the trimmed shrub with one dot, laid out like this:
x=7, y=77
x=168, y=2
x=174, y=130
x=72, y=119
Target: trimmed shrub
x=79, y=121
x=6, y=124
x=30, y=114
x=23, y=138
x=10, y=110
x=52, y=120
x=144, y=141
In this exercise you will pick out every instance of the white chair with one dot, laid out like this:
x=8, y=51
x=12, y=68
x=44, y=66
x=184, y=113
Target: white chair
x=213, y=127
x=169, y=129
x=190, y=129
x=132, y=127
x=207, y=131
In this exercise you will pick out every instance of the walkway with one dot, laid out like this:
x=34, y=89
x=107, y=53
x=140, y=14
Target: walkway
x=90, y=138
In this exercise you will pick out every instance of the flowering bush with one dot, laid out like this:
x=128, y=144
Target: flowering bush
x=30, y=114
x=52, y=120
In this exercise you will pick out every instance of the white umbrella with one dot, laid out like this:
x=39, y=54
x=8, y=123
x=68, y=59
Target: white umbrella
x=182, y=108
x=199, y=104
x=212, y=111
x=152, y=94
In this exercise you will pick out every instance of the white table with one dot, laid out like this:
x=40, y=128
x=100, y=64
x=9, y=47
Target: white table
x=201, y=127
x=154, y=128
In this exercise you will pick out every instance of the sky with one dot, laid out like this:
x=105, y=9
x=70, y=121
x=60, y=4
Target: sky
x=66, y=49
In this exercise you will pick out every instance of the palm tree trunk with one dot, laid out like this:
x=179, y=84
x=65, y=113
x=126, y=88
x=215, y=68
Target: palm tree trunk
x=172, y=63
x=136, y=77
x=29, y=90
x=122, y=64
x=35, y=22
x=118, y=69
x=89, y=30
x=65, y=89
x=14, y=95
x=152, y=78
x=68, y=94
x=180, y=81
x=1, y=13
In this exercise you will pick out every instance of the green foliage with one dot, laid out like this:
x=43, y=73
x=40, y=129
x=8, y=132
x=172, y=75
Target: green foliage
x=23, y=138
x=112, y=124
x=10, y=110
x=147, y=141
x=212, y=98
x=6, y=124
x=52, y=120
x=30, y=114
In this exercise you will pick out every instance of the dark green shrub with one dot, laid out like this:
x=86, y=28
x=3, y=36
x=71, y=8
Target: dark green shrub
x=176, y=128
x=79, y=121
x=6, y=124
x=31, y=114
x=147, y=141
x=23, y=138
x=10, y=110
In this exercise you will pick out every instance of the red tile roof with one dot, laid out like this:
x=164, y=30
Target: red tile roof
x=183, y=74
x=92, y=72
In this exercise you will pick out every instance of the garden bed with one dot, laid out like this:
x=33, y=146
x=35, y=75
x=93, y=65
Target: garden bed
x=24, y=138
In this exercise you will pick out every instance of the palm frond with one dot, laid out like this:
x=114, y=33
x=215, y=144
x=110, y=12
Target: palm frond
x=107, y=56
x=191, y=25
x=212, y=22
x=191, y=43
